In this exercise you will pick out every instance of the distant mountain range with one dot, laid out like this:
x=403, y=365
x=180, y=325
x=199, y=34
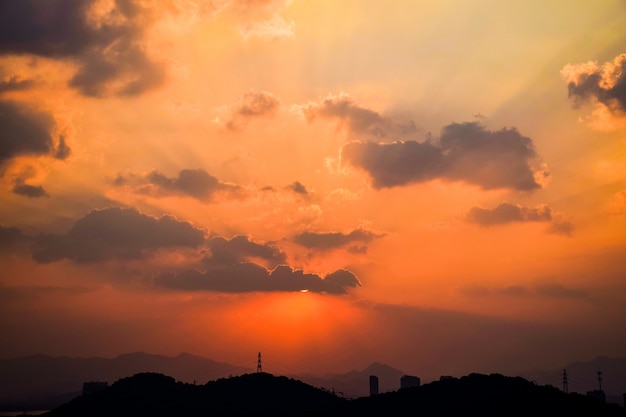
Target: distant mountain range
x=45, y=382
x=356, y=383
x=262, y=394
x=42, y=382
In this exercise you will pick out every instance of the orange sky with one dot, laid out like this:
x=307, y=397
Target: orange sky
x=447, y=181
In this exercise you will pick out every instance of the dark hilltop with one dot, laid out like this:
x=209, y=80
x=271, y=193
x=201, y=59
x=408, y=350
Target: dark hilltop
x=262, y=394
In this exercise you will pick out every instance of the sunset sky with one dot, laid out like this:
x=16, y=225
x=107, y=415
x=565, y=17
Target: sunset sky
x=436, y=185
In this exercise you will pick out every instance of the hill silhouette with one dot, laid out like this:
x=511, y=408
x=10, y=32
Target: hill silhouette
x=263, y=394
x=151, y=394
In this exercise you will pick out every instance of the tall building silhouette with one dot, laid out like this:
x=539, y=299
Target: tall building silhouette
x=408, y=381
x=373, y=385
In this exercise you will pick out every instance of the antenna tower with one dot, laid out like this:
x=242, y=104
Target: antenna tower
x=565, y=387
x=600, y=380
x=259, y=368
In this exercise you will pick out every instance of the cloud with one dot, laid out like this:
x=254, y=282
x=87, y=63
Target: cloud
x=252, y=105
x=250, y=277
x=31, y=191
x=602, y=85
x=103, y=38
x=15, y=83
x=116, y=233
x=196, y=183
x=617, y=203
x=356, y=118
x=553, y=290
x=298, y=188
x=505, y=213
x=560, y=226
x=560, y=291
x=508, y=213
x=240, y=249
x=9, y=236
x=465, y=152
x=262, y=18
x=27, y=131
x=334, y=240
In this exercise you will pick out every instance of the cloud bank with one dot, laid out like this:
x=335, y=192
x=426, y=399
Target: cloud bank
x=250, y=277
x=465, y=152
x=116, y=233
x=508, y=213
x=240, y=249
x=505, y=213
x=196, y=183
x=355, y=118
x=334, y=240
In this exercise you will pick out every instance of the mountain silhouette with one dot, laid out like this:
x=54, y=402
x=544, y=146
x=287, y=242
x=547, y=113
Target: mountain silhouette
x=262, y=394
x=43, y=382
x=355, y=384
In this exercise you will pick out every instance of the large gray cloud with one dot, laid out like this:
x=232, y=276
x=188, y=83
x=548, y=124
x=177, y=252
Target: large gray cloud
x=250, y=277
x=465, y=152
x=240, y=249
x=107, y=46
x=333, y=240
x=606, y=83
x=508, y=213
x=195, y=183
x=27, y=131
x=358, y=119
x=116, y=233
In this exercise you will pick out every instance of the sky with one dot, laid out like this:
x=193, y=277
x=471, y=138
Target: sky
x=435, y=185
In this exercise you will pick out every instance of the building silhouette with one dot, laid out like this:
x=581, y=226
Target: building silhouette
x=408, y=381
x=373, y=385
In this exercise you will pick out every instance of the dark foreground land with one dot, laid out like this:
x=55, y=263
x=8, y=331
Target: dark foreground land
x=262, y=394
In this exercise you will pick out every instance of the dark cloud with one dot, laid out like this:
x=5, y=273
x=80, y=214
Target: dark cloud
x=116, y=233
x=508, y=213
x=241, y=249
x=195, y=183
x=562, y=227
x=9, y=235
x=298, y=188
x=333, y=240
x=465, y=152
x=560, y=291
x=105, y=44
x=546, y=289
x=24, y=131
x=605, y=84
x=250, y=277
x=15, y=83
x=252, y=105
x=31, y=191
x=358, y=119
x=62, y=151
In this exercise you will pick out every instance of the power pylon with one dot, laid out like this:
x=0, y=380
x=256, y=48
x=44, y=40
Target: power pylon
x=259, y=368
x=565, y=387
